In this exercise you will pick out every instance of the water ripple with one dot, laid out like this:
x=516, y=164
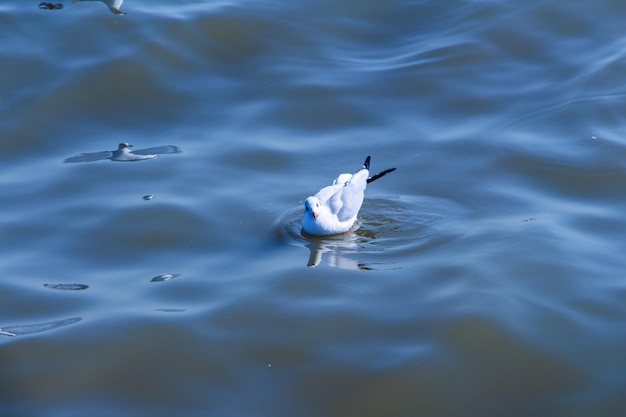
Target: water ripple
x=24, y=329
x=386, y=231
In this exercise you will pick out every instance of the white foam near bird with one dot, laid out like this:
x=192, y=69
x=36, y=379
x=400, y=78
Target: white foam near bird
x=334, y=209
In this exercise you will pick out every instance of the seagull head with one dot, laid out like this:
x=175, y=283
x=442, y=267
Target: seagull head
x=124, y=145
x=312, y=205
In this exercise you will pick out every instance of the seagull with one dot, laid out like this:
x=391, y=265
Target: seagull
x=124, y=154
x=113, y=5
x=333, y=209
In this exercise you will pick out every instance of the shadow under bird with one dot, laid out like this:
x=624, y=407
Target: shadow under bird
x=123, y=153
x=333, y=210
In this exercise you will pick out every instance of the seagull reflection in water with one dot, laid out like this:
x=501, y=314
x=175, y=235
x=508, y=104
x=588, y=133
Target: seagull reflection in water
x=336, y=250
x=124, y=154
x=339, y=251
x=113, y=5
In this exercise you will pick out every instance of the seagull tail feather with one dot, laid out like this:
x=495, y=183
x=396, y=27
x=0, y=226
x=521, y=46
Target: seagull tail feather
x=366, y=164
x=380, y=174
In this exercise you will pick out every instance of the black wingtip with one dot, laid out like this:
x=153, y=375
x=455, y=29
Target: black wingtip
x=380, y=174
x=366, y=164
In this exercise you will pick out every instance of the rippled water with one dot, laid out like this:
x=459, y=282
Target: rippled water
x=484, y=277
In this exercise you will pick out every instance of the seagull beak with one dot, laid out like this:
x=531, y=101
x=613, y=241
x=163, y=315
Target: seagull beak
x=315, y=214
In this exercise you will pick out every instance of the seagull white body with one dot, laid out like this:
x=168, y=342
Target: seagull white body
x=334, y=209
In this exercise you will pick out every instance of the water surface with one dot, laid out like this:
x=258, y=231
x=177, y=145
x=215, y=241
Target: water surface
x=484, y=279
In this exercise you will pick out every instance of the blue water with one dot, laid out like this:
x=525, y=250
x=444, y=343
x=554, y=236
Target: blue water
x=486, y=274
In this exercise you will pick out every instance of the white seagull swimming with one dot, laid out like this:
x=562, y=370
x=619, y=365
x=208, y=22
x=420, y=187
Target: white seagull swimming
x=333, y=209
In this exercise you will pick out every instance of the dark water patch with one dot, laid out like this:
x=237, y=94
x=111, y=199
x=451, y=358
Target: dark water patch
x=116, y=236
x=492, y=349
x=578, y=168
x=50, y=6
x=67, y=287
